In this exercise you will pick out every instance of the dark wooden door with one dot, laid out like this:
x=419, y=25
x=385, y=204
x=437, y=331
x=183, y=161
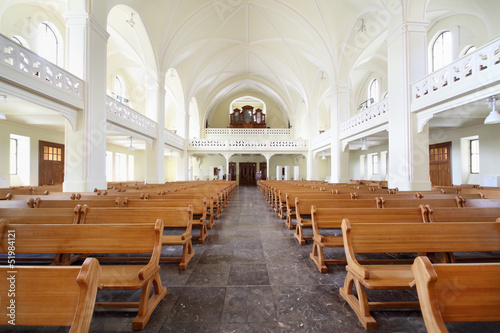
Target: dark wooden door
x=440, y=164
x=50, y=163
x=263, y=170
x=247, y=174
x=232, y=171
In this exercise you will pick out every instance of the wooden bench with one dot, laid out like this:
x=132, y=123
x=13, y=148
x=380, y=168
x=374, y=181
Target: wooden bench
x=456, y=292
x=42, y=215
x=465, y=214
x=17, y=203
x=303, y=206
x=480, y=202
x=402, y=238
x=172, y=217
x=111, y=239
x=395, y=202
x=50, y=295
x=199, y=208
x=331, y=218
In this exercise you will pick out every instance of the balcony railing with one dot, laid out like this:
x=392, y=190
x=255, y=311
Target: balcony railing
x=127, y=117
x=217, y=132
x=31, y=64
x=375, y=115
x=173, y=139
x=468, y=73
x=324, y=139
x=248, y=145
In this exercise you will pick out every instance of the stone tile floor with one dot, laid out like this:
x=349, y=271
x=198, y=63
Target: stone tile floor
x=252, y=276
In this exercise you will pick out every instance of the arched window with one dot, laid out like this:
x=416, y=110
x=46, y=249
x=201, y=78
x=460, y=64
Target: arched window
x=119, y=89
x=17, y=40
x=441, y=51
x=373, y=92
x=470, y=50
x=48, y=43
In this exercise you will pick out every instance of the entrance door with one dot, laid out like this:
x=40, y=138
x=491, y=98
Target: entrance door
x=232, y=171
x=247, y=174
x=50, y=163
x=263, y=169
x=440, y=164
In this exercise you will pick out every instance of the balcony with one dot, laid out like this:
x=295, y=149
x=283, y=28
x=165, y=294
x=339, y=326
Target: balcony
x=322, y=140
x=124, y=116
x=250, y=146
x=375, y=115
x=248, y=133
x=24, y=67
x=470, y=73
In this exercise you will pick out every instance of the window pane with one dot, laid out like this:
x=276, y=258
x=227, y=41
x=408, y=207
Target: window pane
x=441, y=51
x=474, y=156
x=13, y=156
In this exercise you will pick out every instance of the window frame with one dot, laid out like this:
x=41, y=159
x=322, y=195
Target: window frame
x=373, y=95
x=47, y=28
x=472, y=156
x=16, y=159
x=441, y=39
x=375, y=165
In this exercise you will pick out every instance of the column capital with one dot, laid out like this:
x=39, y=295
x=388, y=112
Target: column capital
x=76, y=19
x=407, y=26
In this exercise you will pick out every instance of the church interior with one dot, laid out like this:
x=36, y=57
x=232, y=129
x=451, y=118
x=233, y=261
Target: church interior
x=245, y=165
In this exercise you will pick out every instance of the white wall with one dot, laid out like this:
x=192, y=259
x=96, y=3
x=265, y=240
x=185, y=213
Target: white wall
x=35, y=134
x=355, y=171
x=489, y=151
x=139, y=160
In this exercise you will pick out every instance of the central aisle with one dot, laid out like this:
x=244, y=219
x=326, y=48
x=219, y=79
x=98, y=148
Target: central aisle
x=252, y=276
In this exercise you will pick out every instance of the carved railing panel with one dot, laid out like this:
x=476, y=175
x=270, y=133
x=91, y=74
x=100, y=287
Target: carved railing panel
x=375, y=115
x=29, y=63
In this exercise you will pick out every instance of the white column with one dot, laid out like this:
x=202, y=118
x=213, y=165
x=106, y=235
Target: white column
x=183, y=162
x=278, y=172
x=408, y=149
x=155, y=157
x=296, y=172
x=268, y=166
x=339, y=166
x=287, y=172
x=85, y=146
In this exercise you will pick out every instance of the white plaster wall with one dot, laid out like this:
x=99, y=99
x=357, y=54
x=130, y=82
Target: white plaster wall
x=139, y=160
x=355, y=167
x=489, y=151
x=35, y=134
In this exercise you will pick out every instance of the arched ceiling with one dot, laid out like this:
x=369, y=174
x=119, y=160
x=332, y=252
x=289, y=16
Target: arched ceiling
x=277, y=47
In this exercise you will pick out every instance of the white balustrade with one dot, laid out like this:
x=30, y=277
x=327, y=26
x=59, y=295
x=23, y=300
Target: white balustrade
x=129, y=117
x=324, y=139
x=173, y=139
x=248, y=145
x=375, y=115
x=247, y=131
x=29, y=63
x=467, y=73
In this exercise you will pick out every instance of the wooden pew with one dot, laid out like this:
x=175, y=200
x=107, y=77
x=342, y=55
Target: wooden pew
x=51, y=295
x=480, y=202
x=17, y=203
x=465, y=214
x=331, y=218
x=50, y=203
x=172, y=217
x=42, y=215
x=403, y=238
x=456, y=292
x=303, y=206
x=112, y=239
x=199, y=207
x=395, y=202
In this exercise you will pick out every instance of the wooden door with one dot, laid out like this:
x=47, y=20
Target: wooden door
x=50, y=163
x=263, y=170
x=440, y=164
x=232, y=171
x=247, y=174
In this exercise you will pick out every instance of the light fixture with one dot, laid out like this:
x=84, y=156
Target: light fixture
x=364, y=147
x=2, y=116
x=494, y=116
x=323, y=157
x=131, y=21
x=362, y=28
x=171, y=157
x=131, y=147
